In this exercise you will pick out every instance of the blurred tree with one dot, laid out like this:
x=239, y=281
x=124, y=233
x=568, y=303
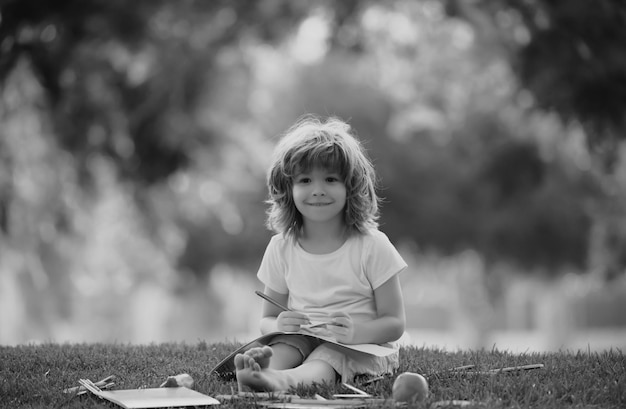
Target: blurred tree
x=568, y=54
x=465, y=163
x=123, y=79
x=508, y=203
x=142, y=85
x=112, y=95
x=128, y=82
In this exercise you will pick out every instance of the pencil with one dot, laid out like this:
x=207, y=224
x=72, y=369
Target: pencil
x=271, y=300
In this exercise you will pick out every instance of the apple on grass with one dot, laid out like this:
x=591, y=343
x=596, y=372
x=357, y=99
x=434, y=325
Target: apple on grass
x=410, y=387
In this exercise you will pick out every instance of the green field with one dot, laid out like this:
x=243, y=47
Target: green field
x=34, y=376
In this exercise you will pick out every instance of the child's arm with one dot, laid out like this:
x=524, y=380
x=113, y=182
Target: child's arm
x=275, y=318
x=388, y=326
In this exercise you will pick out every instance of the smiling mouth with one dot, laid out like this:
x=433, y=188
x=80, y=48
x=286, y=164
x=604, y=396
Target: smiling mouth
x=319, y=204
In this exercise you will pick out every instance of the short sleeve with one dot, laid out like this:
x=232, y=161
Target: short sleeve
x=382, y=260
x=272, y=269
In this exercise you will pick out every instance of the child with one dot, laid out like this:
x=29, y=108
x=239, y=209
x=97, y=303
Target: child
x=328, y=263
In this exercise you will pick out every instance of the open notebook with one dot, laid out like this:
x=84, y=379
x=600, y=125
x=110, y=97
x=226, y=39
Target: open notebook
x=157, y=397
x=226, y=367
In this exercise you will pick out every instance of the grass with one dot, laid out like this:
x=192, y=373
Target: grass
x=34, y=376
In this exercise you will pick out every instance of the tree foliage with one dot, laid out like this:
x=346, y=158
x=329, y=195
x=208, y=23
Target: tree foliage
x=160, y=88
x=568, y=54
x=123, y=80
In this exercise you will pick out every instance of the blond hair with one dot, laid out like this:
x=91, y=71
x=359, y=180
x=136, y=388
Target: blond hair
x=312, y=142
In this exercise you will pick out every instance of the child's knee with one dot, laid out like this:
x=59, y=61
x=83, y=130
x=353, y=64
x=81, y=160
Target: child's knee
x=304, y=345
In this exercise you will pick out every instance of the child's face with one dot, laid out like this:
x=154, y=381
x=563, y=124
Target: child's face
x=320, y=195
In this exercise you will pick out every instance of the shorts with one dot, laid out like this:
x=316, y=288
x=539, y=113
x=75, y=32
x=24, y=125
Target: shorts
x=347, y=363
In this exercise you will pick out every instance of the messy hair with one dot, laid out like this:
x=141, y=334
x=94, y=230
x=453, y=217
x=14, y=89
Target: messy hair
x=331, y=145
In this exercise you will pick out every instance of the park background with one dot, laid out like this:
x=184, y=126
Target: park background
x=135, y=136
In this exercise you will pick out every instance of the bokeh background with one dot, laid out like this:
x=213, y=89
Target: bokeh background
x=135, y=136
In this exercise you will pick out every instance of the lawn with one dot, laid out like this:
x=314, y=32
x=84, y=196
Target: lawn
x=34, y=376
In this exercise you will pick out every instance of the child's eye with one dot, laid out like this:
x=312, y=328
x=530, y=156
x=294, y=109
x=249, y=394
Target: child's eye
x=303, y=180
x=332, y=179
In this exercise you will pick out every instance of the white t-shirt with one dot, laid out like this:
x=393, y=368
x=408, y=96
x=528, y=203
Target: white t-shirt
x=341, y=281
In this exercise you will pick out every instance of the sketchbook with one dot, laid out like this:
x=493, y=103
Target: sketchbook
x=157, y=397
x=226, y=367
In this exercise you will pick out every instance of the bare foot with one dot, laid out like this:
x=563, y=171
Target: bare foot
x=261, y=355
x=253, y=372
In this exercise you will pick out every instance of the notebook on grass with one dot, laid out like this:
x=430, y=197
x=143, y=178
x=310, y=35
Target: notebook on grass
x=157, y=397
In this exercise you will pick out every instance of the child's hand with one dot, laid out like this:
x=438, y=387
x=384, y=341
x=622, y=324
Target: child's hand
x=290, y=321
x=342, y=327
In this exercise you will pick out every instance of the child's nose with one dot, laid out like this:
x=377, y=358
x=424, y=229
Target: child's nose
x=318, y=189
